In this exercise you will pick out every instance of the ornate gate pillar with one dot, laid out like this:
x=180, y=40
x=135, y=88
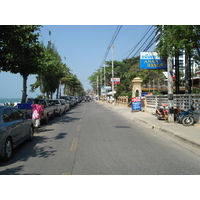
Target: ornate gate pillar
x=137, y=87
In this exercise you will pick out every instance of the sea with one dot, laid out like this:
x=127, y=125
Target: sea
x=10, y=100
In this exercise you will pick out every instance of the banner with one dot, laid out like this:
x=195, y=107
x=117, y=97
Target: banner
x=136, y=103
x=108, y=88
x=151, y=60
x=116, y=81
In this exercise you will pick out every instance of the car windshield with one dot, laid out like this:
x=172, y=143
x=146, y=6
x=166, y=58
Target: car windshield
x=54, y=101
x=41, y=102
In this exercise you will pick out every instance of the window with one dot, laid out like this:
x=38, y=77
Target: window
x=181, y=54
x=18, y=114
x=8, y=115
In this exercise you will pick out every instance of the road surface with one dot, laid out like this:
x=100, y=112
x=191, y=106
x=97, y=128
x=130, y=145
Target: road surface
x=92, y=139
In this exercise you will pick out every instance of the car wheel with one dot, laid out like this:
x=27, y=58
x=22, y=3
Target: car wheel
x=31, y=132
x=54, y=115
x=8, y=149
x=46, y=120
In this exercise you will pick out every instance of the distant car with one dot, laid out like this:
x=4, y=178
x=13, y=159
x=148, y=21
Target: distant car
x=72, y=101
x=15, y=128
x=87, y=98
x=59, y=106
x=68, y=99
x=66, y=103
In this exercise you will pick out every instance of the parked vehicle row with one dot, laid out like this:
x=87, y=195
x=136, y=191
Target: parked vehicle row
x=16, y=125
x=60, y=106
x=72, y=100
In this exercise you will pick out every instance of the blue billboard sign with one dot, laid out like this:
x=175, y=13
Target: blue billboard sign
x=151, y=60
x=136, y=103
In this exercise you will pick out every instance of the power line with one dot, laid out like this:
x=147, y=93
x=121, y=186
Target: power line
x=133, y=48
x=144, y=44
x=111, y=42
x=149, y=33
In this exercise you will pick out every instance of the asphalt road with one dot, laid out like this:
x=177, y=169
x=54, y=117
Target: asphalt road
x=94, y=140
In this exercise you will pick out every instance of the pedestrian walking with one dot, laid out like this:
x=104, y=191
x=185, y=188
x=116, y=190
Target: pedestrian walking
x=36, y=114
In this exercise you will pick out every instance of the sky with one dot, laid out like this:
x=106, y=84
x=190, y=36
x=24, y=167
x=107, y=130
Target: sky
x=82, y=48
x=82, y=31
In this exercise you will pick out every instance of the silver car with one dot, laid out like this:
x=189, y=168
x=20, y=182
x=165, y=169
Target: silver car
x=15, y=128
x=59, y=106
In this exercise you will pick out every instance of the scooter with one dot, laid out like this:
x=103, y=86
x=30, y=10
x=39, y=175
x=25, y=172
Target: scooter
x=186, y=117
x=162, y=112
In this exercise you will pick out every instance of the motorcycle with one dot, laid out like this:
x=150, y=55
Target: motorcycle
x=186, y=117
x=162, y=112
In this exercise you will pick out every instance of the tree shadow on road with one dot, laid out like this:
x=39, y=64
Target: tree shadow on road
x=65, y=119
x=60, y=136
x=25, y=151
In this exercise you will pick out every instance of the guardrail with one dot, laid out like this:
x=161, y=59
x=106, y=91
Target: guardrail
x=182, y=101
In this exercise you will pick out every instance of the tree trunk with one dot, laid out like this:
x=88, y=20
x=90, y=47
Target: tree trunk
x=186, y=72
x=24, y=91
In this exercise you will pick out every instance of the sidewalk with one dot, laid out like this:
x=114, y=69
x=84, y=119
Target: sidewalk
x=189, y=135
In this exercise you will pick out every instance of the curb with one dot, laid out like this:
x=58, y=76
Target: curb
x=173, y=134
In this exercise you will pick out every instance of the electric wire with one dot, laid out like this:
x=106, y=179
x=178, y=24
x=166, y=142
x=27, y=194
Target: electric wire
x=130, y=50
x=133, y=48
x=139, y=50
x=151, y=40
x=111, y=42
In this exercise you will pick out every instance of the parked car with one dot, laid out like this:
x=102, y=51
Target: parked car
x=15, y=128
x=87, y=98
x=59, y=106
x=66, y=102
x=72, y=101
x=67, y=99
x=49, y=111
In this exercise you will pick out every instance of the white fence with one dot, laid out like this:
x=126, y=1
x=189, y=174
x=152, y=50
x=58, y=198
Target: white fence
x=182, y=101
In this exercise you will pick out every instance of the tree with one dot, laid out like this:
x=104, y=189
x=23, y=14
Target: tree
x=51, y=73
x=20, y=51
x=127, y=70
x=171, y=39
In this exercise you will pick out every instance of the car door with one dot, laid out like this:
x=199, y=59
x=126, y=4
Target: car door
x=62, y=104
x=13, y=125
x=24, y=123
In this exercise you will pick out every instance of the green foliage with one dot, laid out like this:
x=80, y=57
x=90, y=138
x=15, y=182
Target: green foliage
x=20, y=51
x=53, y=73
x=196, y=90
x=126, y=70
x=157, y=93
x=173, y=38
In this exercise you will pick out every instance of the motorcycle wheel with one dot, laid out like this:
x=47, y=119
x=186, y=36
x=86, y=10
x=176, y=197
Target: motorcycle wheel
x=188, y=120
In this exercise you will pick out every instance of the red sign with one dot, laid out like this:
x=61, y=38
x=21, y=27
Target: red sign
x=135, y=99
x=116, y=81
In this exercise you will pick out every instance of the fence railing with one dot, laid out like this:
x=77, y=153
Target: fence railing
x=182, y=101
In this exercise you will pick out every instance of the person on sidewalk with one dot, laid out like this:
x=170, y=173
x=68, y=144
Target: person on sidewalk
x=36, y=114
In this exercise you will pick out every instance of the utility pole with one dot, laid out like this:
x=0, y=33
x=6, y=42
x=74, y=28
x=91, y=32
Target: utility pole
x=98, y=88
x=101, y=82
x=113, y=74
x=170, y=91
x=105, y=79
